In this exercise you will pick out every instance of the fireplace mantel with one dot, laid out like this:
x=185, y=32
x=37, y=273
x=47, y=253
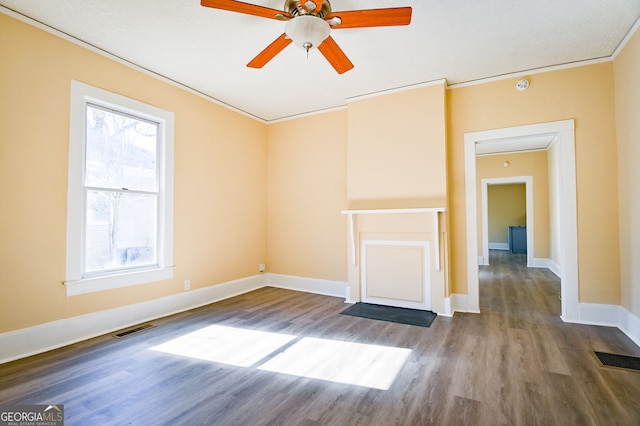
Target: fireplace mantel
x=352, y=229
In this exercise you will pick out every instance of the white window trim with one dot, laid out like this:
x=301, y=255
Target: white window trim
x=81, y=94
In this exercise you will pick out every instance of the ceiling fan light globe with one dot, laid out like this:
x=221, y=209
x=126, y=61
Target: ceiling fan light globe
x=307, y=31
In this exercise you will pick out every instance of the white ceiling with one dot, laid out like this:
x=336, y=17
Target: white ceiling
x=457, y=40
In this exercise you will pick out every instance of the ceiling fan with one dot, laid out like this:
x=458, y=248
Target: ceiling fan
x=309, y=23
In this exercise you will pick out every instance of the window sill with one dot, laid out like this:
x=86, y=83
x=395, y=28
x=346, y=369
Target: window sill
x=91, y=285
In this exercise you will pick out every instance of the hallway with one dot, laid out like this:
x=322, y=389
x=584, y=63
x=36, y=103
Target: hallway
x=552, y=359
x=507, y=285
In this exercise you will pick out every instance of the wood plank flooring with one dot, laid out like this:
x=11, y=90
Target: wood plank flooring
x=516, y=363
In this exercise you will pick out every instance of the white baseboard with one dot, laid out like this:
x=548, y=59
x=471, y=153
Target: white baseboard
x=348, y=298
x=498, y=246
x=457, y=303
x=630, y=325
x=309, y=285
x=610, y=316
x=549, y=264
x=44, y=337
x=589, y=313
x=598, y=314
x=537, y=263
x=448, y=310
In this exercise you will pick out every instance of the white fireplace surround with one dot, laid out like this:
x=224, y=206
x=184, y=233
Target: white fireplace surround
x=352, y=229
x=415, y=230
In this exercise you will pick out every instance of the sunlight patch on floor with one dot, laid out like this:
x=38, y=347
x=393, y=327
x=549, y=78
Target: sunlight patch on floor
x=227, y=345
x=358, y=364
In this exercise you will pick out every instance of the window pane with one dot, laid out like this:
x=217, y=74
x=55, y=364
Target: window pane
x=121, y=230
x=120, y=151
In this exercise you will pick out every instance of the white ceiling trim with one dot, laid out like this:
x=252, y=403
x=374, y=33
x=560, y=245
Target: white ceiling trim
x=306, y=114
x=534, y=71
x=397, y=90
x=128, y=63
x=109, y=55
x=626, y=39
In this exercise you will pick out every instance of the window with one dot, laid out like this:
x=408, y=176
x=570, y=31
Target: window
x=120, y=198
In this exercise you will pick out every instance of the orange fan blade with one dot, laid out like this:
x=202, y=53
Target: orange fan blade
x=249, y=9
x=269, y=52
x=372, y=17
x=336, y=57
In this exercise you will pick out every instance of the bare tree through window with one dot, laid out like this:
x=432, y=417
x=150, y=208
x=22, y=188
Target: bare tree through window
x=121, y=190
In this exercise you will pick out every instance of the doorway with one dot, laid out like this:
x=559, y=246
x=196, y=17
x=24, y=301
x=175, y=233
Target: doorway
x=559, y=139
x=529, y=221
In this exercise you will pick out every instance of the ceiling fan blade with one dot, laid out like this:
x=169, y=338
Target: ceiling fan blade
x=372, y=17
x=249, y=9
x=336, y=57
x=269, y=52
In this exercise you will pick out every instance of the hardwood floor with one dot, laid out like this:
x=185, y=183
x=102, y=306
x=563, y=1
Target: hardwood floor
x=516, y=363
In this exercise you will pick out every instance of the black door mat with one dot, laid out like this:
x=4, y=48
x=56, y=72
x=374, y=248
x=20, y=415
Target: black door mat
x=391, y=314
x=631, y=363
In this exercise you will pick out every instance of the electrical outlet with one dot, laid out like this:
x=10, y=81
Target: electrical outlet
x=262, y=267
x=187, y=285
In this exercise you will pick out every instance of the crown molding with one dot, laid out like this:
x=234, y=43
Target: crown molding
x=79, y=42
x=397, y=90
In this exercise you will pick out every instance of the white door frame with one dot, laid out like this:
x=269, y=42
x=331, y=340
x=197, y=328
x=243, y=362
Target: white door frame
x=528, y=181
x=564, y=132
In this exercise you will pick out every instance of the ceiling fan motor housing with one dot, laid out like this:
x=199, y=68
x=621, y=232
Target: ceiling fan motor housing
x=299, y=8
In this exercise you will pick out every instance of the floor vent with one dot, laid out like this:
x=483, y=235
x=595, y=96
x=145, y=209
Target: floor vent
x=630, y=363
x=134, y=330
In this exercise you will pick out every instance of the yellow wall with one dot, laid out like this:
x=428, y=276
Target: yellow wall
x=247, y=193
x=220, y=179
x=532, y=164
x=507, y=206
x=627, y=69
x=396, y=149
x=585, y=94
x=307, y=234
